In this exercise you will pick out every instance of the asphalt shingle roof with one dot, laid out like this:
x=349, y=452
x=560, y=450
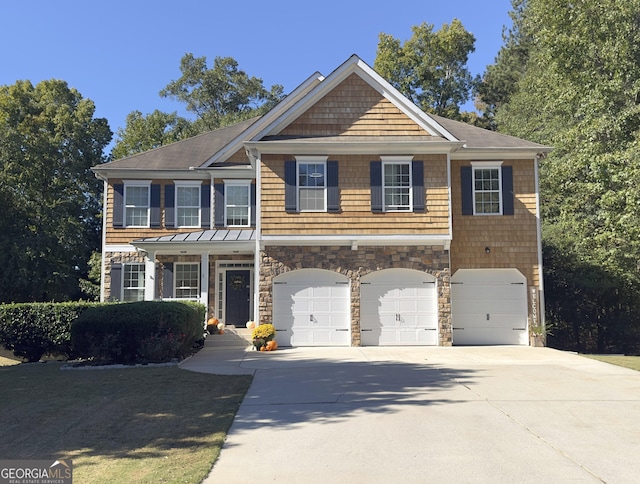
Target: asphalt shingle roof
x=181, y=155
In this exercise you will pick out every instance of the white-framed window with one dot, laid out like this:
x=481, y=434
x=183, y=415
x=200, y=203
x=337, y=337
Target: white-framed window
x=133, y=282
x=397, y=184
x=237, y=205
x=137, y=200
x=312, y=183
x=487, y=192
x=187, y=280
x=188, y=204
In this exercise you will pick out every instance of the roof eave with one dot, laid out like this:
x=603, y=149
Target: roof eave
x=346, y=147
x=496, y=152
x=191, y=173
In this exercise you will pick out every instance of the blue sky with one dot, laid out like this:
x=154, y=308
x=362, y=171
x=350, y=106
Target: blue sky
x=120, y=54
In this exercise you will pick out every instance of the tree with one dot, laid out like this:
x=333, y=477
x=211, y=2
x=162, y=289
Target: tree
x=146, y=133
x=500, y=80
x=431, y=67
x=217, y=97
x=580, y=93
x=50, y=199
x=222, y=95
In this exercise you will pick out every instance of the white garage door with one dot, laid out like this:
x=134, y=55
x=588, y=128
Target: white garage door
x=489, y=307
x=311, y=307
x=398, y=307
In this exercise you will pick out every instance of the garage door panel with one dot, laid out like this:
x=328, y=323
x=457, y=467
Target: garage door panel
x=424, y=336
x=398, y=307
x=480, y=336
x=489, y=307
x=312, y=308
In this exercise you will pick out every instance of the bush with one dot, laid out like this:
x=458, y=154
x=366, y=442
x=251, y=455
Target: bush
x=32, y=330
x=262, y=334
x=139, y=332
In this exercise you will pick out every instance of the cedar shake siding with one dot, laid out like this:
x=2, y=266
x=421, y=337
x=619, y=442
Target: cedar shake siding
x=354, y=214
x=511, y=239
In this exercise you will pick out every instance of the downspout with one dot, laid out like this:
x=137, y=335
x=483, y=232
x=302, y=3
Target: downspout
x=449, y=202
x=541, y=308
x=104, y=236
x=254, y=157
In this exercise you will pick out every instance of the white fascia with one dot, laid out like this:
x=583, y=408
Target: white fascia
x=255, y=130
x=491, y=154
x=359, y=240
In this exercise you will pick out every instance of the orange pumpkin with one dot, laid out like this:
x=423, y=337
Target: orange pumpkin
x=263, y=348
x=272, y=345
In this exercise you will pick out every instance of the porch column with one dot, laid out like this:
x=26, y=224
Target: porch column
x=150, y=276
x=204, y=280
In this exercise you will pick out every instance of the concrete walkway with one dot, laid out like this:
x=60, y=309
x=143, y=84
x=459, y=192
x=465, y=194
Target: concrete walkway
x=427, y=414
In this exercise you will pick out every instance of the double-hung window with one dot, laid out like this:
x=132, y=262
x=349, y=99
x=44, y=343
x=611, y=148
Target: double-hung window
x=137, y=202
x=487, y=193
x=133, y=282
x=188, y=204
x=487, y=188
x=237, y=203
x=312, y=184
x=187, y=281
x=397, y=185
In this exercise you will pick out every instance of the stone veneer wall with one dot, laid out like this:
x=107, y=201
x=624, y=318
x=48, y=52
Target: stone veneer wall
x=275, y=260
x=117, y=258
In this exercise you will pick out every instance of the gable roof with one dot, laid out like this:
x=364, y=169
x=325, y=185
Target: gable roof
x=263, y=133
x=353, y=65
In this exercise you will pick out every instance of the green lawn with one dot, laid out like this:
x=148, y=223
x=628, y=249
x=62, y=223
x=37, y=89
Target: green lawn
x=144, y=425
x=632, y=362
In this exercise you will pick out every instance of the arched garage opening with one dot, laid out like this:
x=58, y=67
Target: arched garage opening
x=311, y=307
x=489, y=307
x=398, y=307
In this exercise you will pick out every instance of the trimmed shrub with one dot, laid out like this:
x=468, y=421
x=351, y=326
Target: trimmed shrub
x=139, y=332
x=32, y=330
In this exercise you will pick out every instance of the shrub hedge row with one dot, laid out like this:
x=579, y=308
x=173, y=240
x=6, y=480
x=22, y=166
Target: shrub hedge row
x=139, y=332
x=126, y=333
x=31, y=330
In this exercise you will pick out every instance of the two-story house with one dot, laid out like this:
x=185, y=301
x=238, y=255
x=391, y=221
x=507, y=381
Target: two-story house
x=344, y=216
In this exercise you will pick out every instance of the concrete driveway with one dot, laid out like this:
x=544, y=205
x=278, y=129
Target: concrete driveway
x=428, y=415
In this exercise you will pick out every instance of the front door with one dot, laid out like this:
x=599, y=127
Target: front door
x=237, y=297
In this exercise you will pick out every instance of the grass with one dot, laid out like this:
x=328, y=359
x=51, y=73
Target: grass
x=144, y=425
x=632, y=362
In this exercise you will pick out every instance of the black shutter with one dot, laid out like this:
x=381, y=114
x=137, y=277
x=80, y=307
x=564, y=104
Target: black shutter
x=466, y=177
x=375, y=168
x=116, y=282
x=219, y=205
x=169, y=206
x=167, y=280
x=155, y=206
x=290, y=197
x=333, y=191
x=253, y=204
x=205, y=206
x=417, y=168
x=507, y=190
x=118, y=205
